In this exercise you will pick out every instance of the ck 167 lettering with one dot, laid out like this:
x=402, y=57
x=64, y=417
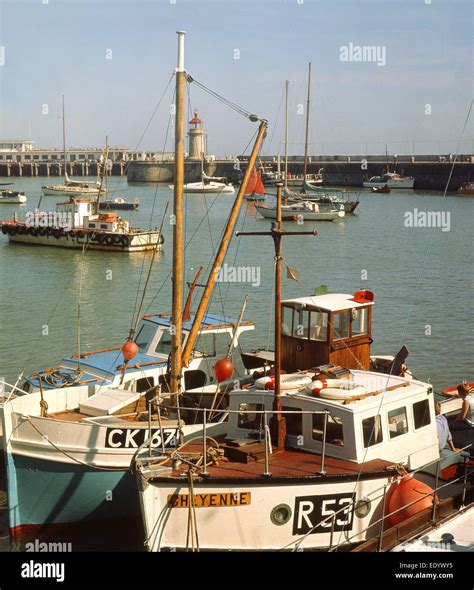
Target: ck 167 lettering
x=132, y=438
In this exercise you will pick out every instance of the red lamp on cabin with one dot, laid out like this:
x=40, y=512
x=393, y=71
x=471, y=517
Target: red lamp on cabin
x=223, y=369
x=129, y=350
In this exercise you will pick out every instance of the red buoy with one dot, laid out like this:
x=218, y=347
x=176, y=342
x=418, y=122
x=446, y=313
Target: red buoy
x=403, y=494
x=364, y=296
x=223, y=369
x=129, y=350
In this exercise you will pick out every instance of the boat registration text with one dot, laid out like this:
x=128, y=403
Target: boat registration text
x=210, y=500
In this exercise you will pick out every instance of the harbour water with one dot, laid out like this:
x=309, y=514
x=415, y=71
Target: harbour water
x=421, y=277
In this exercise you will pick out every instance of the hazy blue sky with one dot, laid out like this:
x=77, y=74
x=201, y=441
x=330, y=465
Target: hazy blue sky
x=61, y=46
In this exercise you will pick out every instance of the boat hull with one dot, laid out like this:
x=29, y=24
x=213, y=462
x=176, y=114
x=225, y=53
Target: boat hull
x=237, y=514
x=64, y=191
x=401, y=183
x=270, y=213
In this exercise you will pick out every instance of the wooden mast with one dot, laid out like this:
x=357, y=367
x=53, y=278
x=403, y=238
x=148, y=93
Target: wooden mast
x=286, y=133
x=221, y=252
x=177, y=303
x=308, y=102
x=278, y=424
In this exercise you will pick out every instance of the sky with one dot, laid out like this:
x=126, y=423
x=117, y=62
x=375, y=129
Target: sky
x=113, y=59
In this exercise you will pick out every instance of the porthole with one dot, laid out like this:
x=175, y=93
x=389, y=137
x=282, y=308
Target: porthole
x=280, y=514
x=362, y=507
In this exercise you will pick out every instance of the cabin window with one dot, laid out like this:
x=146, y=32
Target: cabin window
x=103, y=226
x=318, y=326
x=144, y=383
x=144, y=336
x=360, y=321
x=334, y=430
x=397, y=422
x=301, y=323
x=372, y=431
x=164, y=343
x=294, y=421
x=287, y=321
x=421, y=414
x=250, y=417
x=341, y=324
x=91, y=224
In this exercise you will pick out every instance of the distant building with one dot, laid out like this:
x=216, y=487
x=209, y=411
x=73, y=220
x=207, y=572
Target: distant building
x=22, y=150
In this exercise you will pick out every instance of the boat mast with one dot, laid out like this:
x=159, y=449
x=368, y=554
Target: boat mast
x=221, y=252
x=177, y=303
x=64, y=143
x=286, y=133
x=278, y=424
x=308, y=102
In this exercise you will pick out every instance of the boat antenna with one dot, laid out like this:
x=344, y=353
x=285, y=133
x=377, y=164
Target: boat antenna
x=308, y=102
x=278, y=423
x=177, y=279
x=64, y=143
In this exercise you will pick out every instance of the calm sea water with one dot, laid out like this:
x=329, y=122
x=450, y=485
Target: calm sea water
x=422, y=278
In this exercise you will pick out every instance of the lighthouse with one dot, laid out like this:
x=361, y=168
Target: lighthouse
x=197, y=142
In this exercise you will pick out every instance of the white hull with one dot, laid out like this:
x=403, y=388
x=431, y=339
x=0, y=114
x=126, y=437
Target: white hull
x=207, y=187
x=136, y=242
x=13, y=200
x=248, y=527
x=393, y=183
x=68, y=191
x=297, y=214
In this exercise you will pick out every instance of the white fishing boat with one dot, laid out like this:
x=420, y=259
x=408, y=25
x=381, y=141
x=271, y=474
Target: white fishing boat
x=70, y=188
x=392, y=180
x=10, y=197
x=301, y=211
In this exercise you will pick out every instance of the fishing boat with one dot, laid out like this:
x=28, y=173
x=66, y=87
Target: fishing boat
x=255, y=189
x=310, y=459
x=70, y=188
x=381, y=189
x=301, y=211
x=390, y=179
x=99, y=410
x=466, y=189
x=10, y=197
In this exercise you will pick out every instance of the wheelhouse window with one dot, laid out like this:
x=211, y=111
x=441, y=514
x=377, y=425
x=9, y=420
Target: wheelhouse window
x=287, y=321
x=301, y=323
x=360, y=321
x=212, y=344
x=421, y=414
x=294, y=420
x=397, y=422
x=341, y=325
x=250, y=417
x=144, y=337
x=334, y=429
x=372, y=431
x=163, y=346
x=318, y=326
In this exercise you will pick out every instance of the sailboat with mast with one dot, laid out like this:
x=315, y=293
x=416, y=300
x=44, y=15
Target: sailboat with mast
x=208, y=184
x=72, y=432
x=70, y=187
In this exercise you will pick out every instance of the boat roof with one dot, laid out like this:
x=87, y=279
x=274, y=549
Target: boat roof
x=328, y=302
x=111, y=361
x=210, y=320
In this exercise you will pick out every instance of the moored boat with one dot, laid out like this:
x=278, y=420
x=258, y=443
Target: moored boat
x=301, y=211
x=392, y=180
x=10, y=197
x=381, y=189
x=466, y=189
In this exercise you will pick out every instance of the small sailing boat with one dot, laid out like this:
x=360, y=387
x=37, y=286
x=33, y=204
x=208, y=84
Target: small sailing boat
x=255, y=188
x=10, y=197
x=208, y=184
x=70, y=188
x=302, y=211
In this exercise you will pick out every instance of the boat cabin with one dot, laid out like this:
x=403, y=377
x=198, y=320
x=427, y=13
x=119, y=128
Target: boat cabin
x=327, y=329
x=393, y=421
x=83, y=215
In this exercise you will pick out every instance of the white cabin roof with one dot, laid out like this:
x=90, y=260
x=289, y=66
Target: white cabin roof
x=328, y=302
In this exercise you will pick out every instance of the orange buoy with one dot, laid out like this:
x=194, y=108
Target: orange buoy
x=364, y=296
x=129, y=350
x=223, y=369
x=403, y=493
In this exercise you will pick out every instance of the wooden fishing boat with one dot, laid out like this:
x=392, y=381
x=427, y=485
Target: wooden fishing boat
x=10, y=197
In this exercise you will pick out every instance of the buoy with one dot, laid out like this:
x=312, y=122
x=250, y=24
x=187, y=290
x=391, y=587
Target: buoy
x=223, y=369
x=404, y=492
x=129, y=350
x=364, y=296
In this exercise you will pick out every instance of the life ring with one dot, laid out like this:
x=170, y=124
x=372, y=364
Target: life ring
x=287, y=382
x=342, y=394
x=453, y=391
x=11, y=230
x=117, y=239
x=4, y=229
x=57, y=233
x=80, y=235
x=41, y=231
x=33, y=231
x=49, y=231
x=109, y=239
x=319, y=384
x=124, y=241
